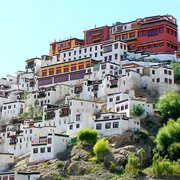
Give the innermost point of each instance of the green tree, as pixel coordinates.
(36, 103)
(31, 112)
(169, 105)
(133, 164)
(176, 67)
(100, 147)
(88, 136)
(168, 140)
(137, 110)
(142, 152)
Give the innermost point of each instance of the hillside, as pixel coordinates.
(75, 163)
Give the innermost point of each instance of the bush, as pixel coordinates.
(100, 147)
(93, 159)
(168, 141)
(59, 164)
(88, 136)
(163, 166)
(133, 164)
(112, 166)
(137, 110)
(48, 163)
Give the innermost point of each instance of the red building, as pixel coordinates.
(97, 35)
(155, 34)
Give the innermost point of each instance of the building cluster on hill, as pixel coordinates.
(89, 83)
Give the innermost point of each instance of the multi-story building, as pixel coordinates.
(64, 72)
(95, 35)
(154, 33)
(56, 47)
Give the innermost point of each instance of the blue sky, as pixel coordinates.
(27, 27)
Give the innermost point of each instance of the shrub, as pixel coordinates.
(59, 164)
(100, 147)
(112, 166)
(93, 159)
(133, 164)
(137, 110)
(88, 136)
(48, 163)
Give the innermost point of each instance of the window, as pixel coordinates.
(165, 80)
(98, 126)
(144, 33)
(157, 80)
(126, 106)
(95, 54)
(161, 30)
(49, 140)
(165, 71)
(107, 125)
(71, 126)
(117, 37)
(35, 150)
(115, 124)
(117, 98)
(117, 109)
(153, 32)
(69, 53)
(156, 45)
(169, 72)
(64, 54)
(77, 126)
(116, 56)
(48, 149)
(110, 99)
(161, 44)
(139, 34)
(85, 50)
(110, 57)
(153, 71)
(122, 108)
(167, 30)
(107, 48)
(78, 117)
(90, 49)
(30, 131)
(105, 58)
(116, 46)
(74, 52)
(43, 150)
(95, 48)
(79, 51)
(124, 36)
(131, 35)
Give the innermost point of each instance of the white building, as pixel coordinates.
(114, 124)
(47, 147)
(112, 51)
(125, 106)
(12, 109)
(6, 159)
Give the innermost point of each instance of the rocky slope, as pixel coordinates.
(75, 163)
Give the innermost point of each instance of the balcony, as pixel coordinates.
(38, 119)
(96, 34)
(95, 88)
(65, 112)
(50, 116)
(78, 90)
(41, 95)
(12, 143)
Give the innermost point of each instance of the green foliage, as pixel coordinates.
(176, 67)
(93, 169)
(142, 152)
(94, 159)
(36, 103)
(59, 164)
(23, 116)
(112, 166)
(168, 140)
(169, 105)
(88, 136)
(133, 164)
(31, 112)
(58, 178)
(163, 166)
(101, 147)
(48, 163)
(137, 110)
(40, 113)
(25, 95)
